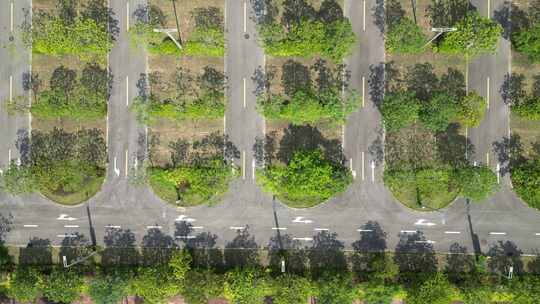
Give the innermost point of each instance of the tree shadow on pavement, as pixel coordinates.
(22, 143)
(509, 152)
(459, 264)
(284, 247)
(120, 248)
(503, 255)
(330, 11)
(512, 89)
(414, 257)
(202, 247)
(242, 251)
(511, 17)
(377, 82)
(77, 247)
(381, 14)
(368, 250)
(326, 255)
(264, 11)
(157, 248)
(6, 221)
(448, 15)
(38, 252)
(452, 147)
(376, 148)
(296, 138)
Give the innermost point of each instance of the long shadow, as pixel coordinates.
(202, 247)
(74, 248)
(330, 11)
(377, 82)
(326, 256)
(474, 237)
(414, 257)
(369, 250)
(511, 17)
(504, 255)
(38, 252)
(242, 251)
(291, 251)
(157, 248)
(297, 138)
(120, 248)
(452, 147)
(512, 89)
(459, 264)
(376, 148)
(509, 152)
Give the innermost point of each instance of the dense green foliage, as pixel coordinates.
(471, 110)
(207, 38)
(196, 174)
(201, 286)
(80, 99)
(336, 289)
(474, 35)
(60, 164)
(399, 109)
(436, 290)
(307, 99)
(526, 181)
(25, 284)
(405, 37)
(438, 112)
(74, 29)
(525, 32)
(108, 288)
(245, 286)
(305, 32)
(62, 286)
(291, 289)
(185, 96)
(523, 102)
(307, 179)
(528, 42)
(476, 182)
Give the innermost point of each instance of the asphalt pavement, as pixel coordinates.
(120, 206)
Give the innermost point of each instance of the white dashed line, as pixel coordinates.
(244, 93)
(185, 236)
(197, 227)
(112, 226)
(537, 234)
(10, 88)
(244, 164)
(11, 17)
(321, 229)
(497, 233)
(127, 91)
(237, 228)
(452, 232)
(30, 226)
(307, 239)
(245, 16)
(279, 228)
(71, 226)
(408, 231)
(66, 235)
(153, 227)
(127, 16)
(425, 242)
(364, 230)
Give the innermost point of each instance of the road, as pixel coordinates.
(15, 59)
(121, 206)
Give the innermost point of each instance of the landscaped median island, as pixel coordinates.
(183, 103)
(65, 158)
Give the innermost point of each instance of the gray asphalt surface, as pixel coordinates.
(15, 60)
(127, 207)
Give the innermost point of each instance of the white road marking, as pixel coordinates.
(475, 163)
(253, 169)
(264, 128)
(342, 136)
(537, 234)
(127, 91)
(363, 89)
(66, 235)
(10, 88)
(498, 170)
(11, 17)
(307, 239)
(279, 228)
(321, 229)
(489, 8)
(237, 228)
(425, 242)
(372, 171)
(364, 230)
(352, 169)
(245, 16)
(408, 231)
(497, 233)
(244, 164)
(127, 16)
(126, 163)
(112, 226)
(71, 226)
(224, 124)
(423, 222)
(30, 226)
(184, 218)
(9, 156)
(487, 159)
(364, 13)
(185, 236)
(452, 232)
(153, 227)
(300, 219)
(487, 92)
(244, 93)
(197, 227)
(116, 170)
(363, 166)
(65, 217)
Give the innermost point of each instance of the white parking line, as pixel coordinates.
(253, 169)
(372, 171)
(452, 232)
(126, 163)
(279, 228)
(237, 228)
(487, 159)
(537, 234)
(197, 227)
(321, 229)
(112, 226)
(30, 226)
(363, 90)
(153, 227)
(364, 230)
(71, 226)
(497, 233)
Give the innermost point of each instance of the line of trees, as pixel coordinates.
(525, 29)
(523, 101)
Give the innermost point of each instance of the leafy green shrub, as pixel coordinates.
(437, 114)
(399, 110)
(529, 108)
(201, 286)
(436, 290)
(527, 41)
(336, 289)
(155, 284)
(405, 37)
(18, 180)
(308, 179)
(25, 283)
(108, 288)
(63, 286)
(291, 289)
(526, 181)
(245, 286)
(476, 183)
(471, 110)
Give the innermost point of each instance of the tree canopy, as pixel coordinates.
(405, 37)
(526, 181)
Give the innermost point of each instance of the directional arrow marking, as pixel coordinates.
(423, 222)
(300, 219)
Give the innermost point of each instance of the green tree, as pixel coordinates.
(24, 285)
(291, 289)
(436, 290)
(247, 286)
(526, 181)
(180, 264)
(309, 178)
(528, 108)
(201, 286)
(18, 179)
(527, 41)
(155, 284)
(471, 110)
(379, 293)
(108, 288)
(474, 35)
(405, 37)
(336, 289)
(63, 286)
(438, 113)
(399, 109)
(476, 182)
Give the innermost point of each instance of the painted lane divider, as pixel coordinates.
(66, 235)
(307, 239)
(408, 231)
(497, 233)
(185, 236)
(112, 226)
(321, 229)
(425, 242)
(364, 230)
(237, 228)
(71, 226)
(452, 232)
(30, 226)
(184, 218)
(279, 228)
(153, 227)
